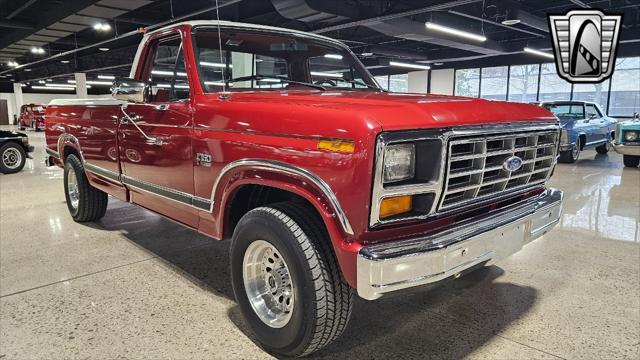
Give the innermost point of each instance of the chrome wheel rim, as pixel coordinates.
(72, 188)
(267, 282)
(11, 158)
(576, 150)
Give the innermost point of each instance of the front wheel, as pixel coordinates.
(12, 158)
(604, 148)
(85, 203)
(571, 155)
(631, 160)
(287, 281)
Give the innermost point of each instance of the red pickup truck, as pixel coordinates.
(32, 116)
(326, 184)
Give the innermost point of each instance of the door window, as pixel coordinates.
(592, 111)
(168, 74)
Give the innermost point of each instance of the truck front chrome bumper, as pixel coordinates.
(633, 150)
(392, 266)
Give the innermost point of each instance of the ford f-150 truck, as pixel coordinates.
(326, 184)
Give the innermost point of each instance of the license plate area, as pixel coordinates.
(497, 243)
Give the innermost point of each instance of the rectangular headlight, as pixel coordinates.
(399, 162)
(631, 135)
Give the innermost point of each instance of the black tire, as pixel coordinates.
(323, 300)
(604, 148)
(571, 156)
(92, 204)
(16, 158)
(630, 160)
(21, 126)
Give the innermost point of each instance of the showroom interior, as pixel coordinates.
(137, 283)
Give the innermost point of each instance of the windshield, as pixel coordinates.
(566, 111)
(268, 60)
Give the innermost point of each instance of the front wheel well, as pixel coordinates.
(583, 140)
(249, 197)
(69, 150)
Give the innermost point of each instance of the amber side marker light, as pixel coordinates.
(342, 146)
(395, 205)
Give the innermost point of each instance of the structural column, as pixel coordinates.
(17, 95)
(81, 84)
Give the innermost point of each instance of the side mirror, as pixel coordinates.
(592, 116)
(130, 90)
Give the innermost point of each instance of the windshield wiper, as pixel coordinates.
(262, 77)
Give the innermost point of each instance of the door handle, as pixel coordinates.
(133, 120)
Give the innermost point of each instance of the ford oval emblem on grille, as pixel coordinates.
(512, 164)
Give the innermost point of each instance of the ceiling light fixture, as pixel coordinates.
(103, 49)
(64, 61)
(13, 64)
(510, 22)
(218, 65)
(106, 77)
(333, 56)
(37, 50)
(52, 88)
(326, 74)
(438, 63)
(93, 82)
(408, 65)
(456, 32)
(366, 54)
(538, 52)
(102, 27)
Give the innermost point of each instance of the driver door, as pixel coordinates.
(155, 139)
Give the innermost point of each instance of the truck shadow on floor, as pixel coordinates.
(448, 321)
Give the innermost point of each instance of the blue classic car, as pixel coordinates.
(627, 141)
(584, 125)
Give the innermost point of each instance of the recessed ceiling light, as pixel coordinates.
(438, 63)
(510, 22)
(456, 32)
(366, 54)
(103, 49)
(27, 70)
(37, 50)
(64, 61)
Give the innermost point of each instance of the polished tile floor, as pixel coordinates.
(136, 285)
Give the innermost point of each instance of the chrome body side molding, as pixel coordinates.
(167, 193)
(284, 168)
(53, 153)
(386, 267)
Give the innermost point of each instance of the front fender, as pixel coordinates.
(297, 181)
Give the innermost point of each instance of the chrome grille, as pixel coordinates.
(475, 165)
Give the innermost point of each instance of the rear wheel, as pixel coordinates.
(12, 158)
(631, 161)
(85, 203)
(287, 281)
(572, 155)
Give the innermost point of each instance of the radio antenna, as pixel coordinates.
(224, 94)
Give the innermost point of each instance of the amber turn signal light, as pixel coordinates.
(337, 145)
(395, 205)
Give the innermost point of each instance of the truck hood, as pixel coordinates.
(401, 111)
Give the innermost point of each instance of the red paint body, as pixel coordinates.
(32, 116)
(281, 125)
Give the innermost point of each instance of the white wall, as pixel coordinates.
(28, 98)
(442, 81)
(418, 81)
